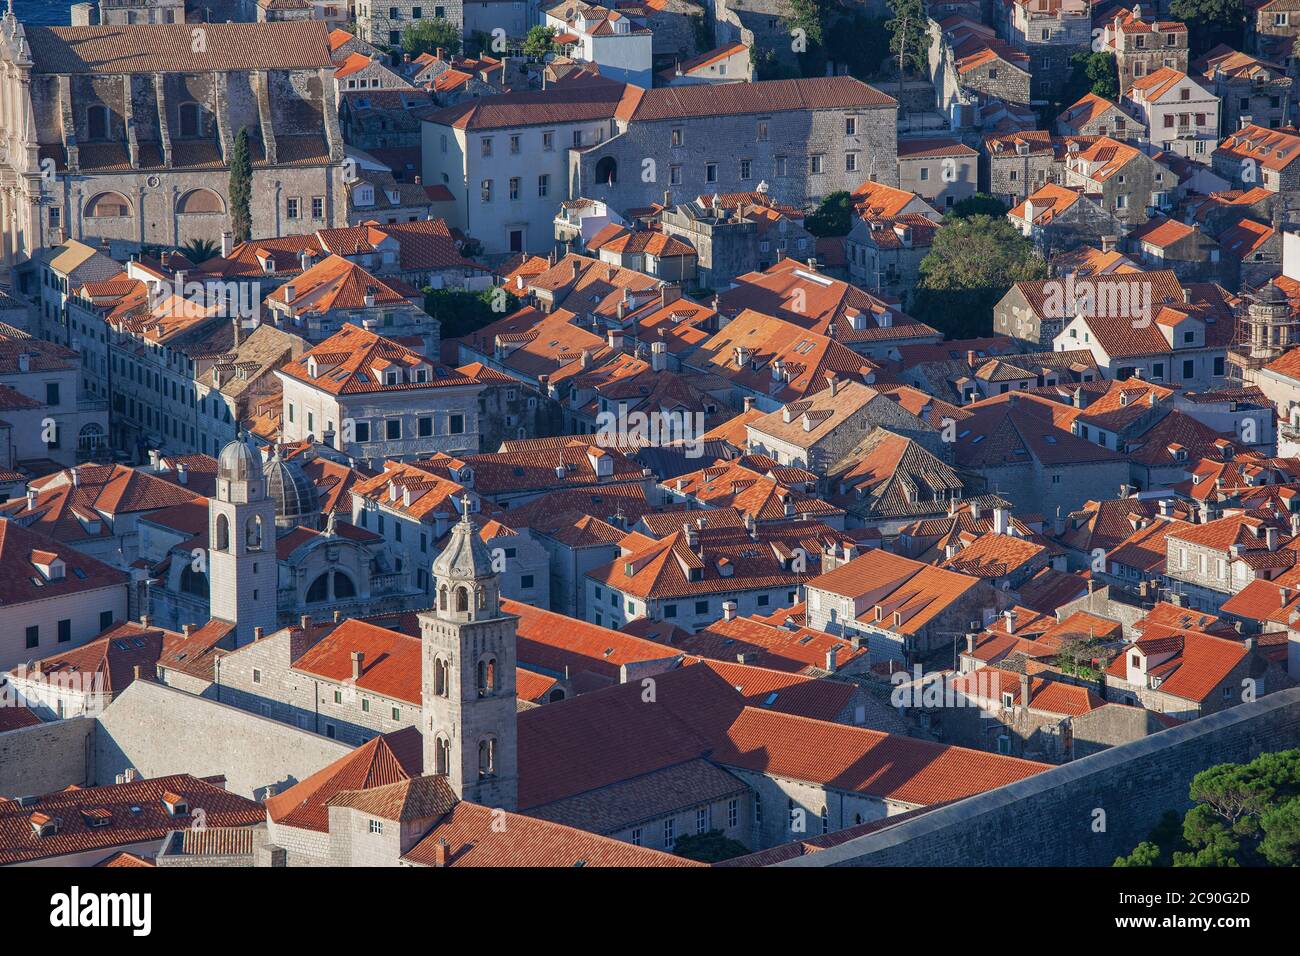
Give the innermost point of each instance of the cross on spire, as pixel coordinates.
(464, 508)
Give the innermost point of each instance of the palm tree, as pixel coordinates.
(199, 250)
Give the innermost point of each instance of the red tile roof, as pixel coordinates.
(135, 812)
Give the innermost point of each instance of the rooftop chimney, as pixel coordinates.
(728, 610)
(830, 658)
(358, 658)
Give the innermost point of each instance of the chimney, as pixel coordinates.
(1011, 621)
(1270, 538)
(227, 244)
(658, 356)
(1024, 690)
(304, 622)
(338, 615)
(830, 383)
(304, 260)
(358, 657)
(971, 357)
(830, 658)
(257, 634)
(970, 643)
(144, 620)
(440, 853)
(135, 671)
(728, 610)
(748, 404)
(182, 473)
(31, 500)
(1001, 520)
(1166, 507)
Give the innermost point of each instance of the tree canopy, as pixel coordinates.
(1243, 815)
(711, 847)
(834, 217)
(539, 41)
(972, 263)
(241, 188)
(462, 312)
(909, 34)
(429, 35)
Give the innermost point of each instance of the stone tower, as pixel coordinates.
(242, 572)
(468, 664)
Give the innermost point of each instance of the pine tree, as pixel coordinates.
(241, 189)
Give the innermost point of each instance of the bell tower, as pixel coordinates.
(242, 572)
(468, 674)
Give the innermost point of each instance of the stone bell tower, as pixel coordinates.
(468, 667)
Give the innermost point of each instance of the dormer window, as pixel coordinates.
(175, 804)
(390, 378)
(364, 195)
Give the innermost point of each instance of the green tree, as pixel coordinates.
(1243, 815)
(430, 34)
(859, 43)
(241, 188)
(834, 217)
(909, 39)
(539, 41)
(1211, 21)
(462, 312)
(711, 847)
(1101, 72)
(199, 250)
(972, 263)
(981, 204)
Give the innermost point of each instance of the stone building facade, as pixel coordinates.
(129, 131)
(805, 138)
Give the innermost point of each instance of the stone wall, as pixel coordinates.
(46, 757)
(159, 731)
(1052, 819)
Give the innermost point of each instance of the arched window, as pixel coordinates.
(91, 437)
(442, 756)
(253, 533)
(343, 586)
(442, 598)
(98, 122)
(487, 757)
(200, 201)
(481, 601)
(320, 589)
(109, 205)
(462, 599)
(826, 821)
(607, 171)
(194, 582)
(483, 679)
(440, 678)
(223, 533)
(191, 119)
(555, 695)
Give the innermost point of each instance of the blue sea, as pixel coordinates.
(46, 13)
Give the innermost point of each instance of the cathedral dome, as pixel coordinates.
(294, 494)
(238, 462)
(1270, 295)
(466, 556)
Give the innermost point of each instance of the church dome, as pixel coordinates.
(294, 494)
(1270, 294)
(238, 462)
(466, 556)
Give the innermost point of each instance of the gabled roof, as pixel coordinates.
(387, 759)
(347, 360)
(134, 812)
(170, 48)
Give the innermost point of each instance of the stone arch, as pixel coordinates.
(343, 586)
(487, 757)
(194, 582)
(200, 201)
(442, 756)
(607, 171)
(108, 205)
(441, 677)
(253, 533)
(555, 696)
(319, 589)
(222, 542)
(462, 599)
